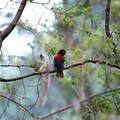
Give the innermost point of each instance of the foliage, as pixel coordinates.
(102, 104)
(80, 11)
(81, 31)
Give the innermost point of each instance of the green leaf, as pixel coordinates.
(97, 18)
(109, 40)
(88, 41)
(86, 11)
(52, 52)
(68, 21)
(74, 12)
(34, 65)
(33, 115)
(30, 0)
(118, 50)
(78, 12)
(114, 27)
(69, 82)
(100, 27)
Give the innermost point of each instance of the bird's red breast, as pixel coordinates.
(59, 57)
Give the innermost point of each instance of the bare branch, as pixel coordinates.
(94, 62)
(18, 104)
(41, 3)
(68, 67)
(13, 23)
(19, 66)
(64, 11)
(107, 19)
(76, 104)
(107, 23)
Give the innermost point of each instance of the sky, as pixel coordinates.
(35, 14)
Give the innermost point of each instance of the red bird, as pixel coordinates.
(59, 63)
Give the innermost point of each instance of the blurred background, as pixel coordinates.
(78, 26)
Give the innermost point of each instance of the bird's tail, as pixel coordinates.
(60, 74)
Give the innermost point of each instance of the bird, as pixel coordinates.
(59, 63)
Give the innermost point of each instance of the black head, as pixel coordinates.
(62, 52)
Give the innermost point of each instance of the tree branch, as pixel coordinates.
(107, 19)
(41, 3)
(13, 23)
(64, 11)
(18, 104)
(12, 65)
(53, 71)
(76, 104)
(107, 22)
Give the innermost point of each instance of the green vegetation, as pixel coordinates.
(78, 27)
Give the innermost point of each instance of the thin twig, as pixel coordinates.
(18, 104)
(64, 11)
(24, 92)
(10, 65)
(40, 2)
(6, 107)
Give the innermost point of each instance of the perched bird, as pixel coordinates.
(59, 63)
